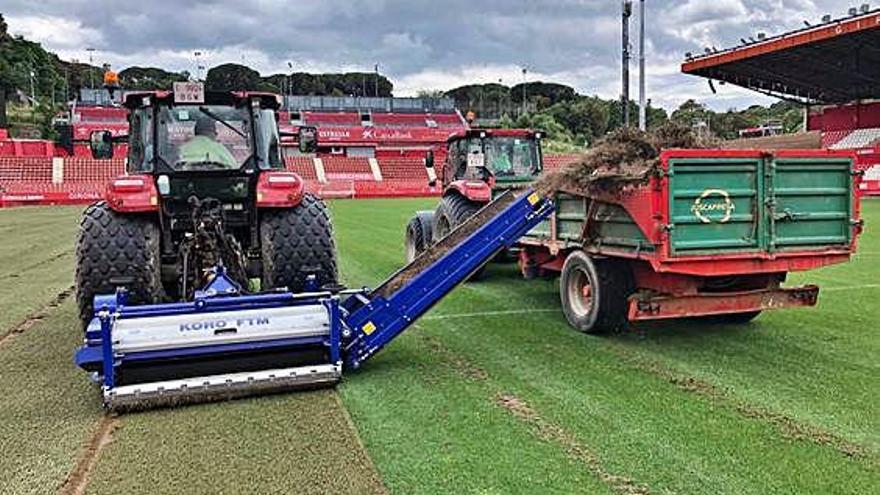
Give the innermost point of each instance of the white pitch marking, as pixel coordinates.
(490, 313)
(850, 287)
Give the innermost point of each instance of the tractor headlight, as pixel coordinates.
(163, 183)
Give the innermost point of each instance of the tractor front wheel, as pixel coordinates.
(116, 250)
(297, 242)
(594, 293)
(452, 211)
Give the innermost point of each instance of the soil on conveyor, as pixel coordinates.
(625, 157)
(437, 251)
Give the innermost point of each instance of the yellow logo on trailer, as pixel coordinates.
(702, 207)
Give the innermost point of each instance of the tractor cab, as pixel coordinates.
(501, 158)
(205, 168)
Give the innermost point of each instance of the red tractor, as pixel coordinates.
(205, 185)
(480, 164)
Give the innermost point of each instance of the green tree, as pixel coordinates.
(430, 93)
(544, 93)
(150, 78)
(233, 77)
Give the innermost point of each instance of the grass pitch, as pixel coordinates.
(490, 393)
(783, 405)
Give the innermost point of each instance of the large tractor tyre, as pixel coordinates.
(595, 292)
(452, 211)
(116, 250)
(419, 236)
(297, 242)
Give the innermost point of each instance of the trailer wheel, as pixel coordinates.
(452, 211)
(114, 250)
(594, 293)
(295, 243)
(418, 234)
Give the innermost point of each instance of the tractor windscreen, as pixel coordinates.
(205, 137)
(512, 157)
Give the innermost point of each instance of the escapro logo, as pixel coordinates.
(712, 201)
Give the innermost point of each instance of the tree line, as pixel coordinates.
(573, 121)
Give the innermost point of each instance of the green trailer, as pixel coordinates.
(712, 233)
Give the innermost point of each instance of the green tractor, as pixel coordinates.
(205, 186)
(480, 164)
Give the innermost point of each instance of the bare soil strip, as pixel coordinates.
(550, 432)
(37, 316)
(78, 479)
(22, 270)
(543, 429)
(790, 427)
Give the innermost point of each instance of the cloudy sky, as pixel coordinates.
(419, 44)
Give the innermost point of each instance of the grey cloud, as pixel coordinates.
(576, 39)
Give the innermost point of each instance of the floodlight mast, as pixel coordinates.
(624, 96)
(643, 109)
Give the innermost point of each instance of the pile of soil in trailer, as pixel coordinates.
(623, 158)
(443, 246)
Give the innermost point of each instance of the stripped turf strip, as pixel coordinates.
(296, 443)
(50, 415)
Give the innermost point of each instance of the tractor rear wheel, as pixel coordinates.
(298, 242)
(418, 234)
(116, 250)
(594, 293)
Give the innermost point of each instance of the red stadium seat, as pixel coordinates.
(304, 166)
(347, 168)
(412, 169)
(331, 119)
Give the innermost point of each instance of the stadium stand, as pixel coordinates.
(403, 169)
(302, 165)
(331, 119)
(344, 168)
(823, 67)
(858, 138)
(394, 137)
